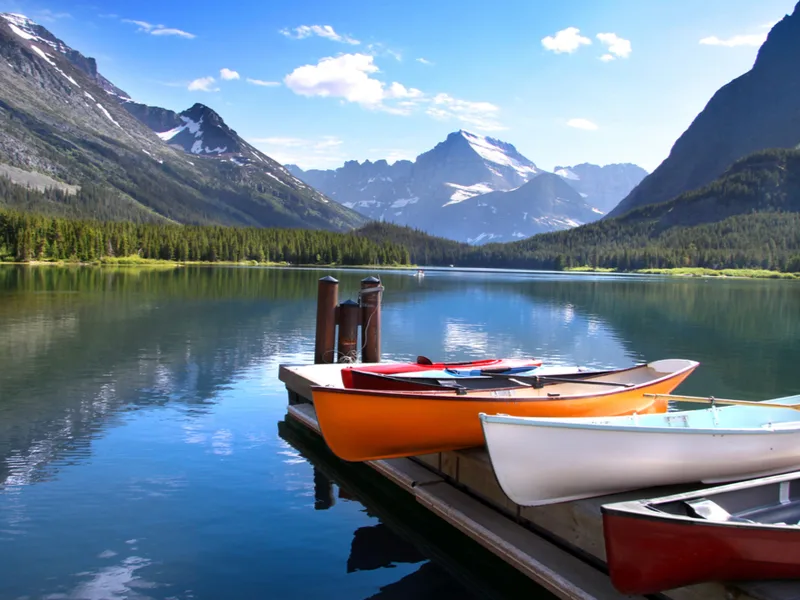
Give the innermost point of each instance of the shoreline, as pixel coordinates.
(689, 272)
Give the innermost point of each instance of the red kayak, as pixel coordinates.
(475, 367)
(742, 531)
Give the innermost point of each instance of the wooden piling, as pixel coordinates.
(370, 298)
(327, 298)
(324, 498)
(347, 341)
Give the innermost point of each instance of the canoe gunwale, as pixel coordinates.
(643, 508)
(649, 429)
(480, 395)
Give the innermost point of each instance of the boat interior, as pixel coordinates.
(776, 503)
(609, 382)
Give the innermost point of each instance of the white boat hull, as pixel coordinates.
(538, 463)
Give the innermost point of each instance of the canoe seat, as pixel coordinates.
(711, 511)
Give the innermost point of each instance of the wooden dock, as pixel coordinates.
(558, 546)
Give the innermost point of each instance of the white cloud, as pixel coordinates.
(379, 49)
(203, 84)
(481, 115)
(228, 74)
(321, 152)
(567, 40)
(263, 83)
(346, 76)
(607, 57)
(172, 31)
(48, 16)
(755, 39)
(143, 25)
(425, 61)
(350, 77)
(617, 47)
(398, 90)
(582, 124)
(323, 31)
(146, 27)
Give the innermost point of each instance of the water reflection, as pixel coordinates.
(407, 534)
(140, 406)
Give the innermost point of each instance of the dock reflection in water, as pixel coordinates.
(407, 533)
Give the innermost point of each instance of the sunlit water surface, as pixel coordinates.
(143, 452)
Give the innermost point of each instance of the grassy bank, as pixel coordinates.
(138, 261)
(697, 272)
(702, 272)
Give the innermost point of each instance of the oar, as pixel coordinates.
(712, 400)
(534, 379)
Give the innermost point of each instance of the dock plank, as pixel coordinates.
(527, 552)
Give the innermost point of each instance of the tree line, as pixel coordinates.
(25, 237)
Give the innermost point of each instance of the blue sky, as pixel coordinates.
(320, 82)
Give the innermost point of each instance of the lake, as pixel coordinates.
(144, 451)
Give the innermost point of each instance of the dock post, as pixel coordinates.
(324, 498)
(370, 299)
(327, 298)
(347, 341)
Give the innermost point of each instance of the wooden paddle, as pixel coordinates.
(712, 400)
(536, 379)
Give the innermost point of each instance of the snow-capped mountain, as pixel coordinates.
(62, 120)
(462, 168)
(545, 203)
(26, 29)
(603, 187)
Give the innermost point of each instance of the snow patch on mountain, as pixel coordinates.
(567, 174)
(70, 79)
(483, 237)
(465, 192)
(43, 54)
(401, 202)
(23, 34)
(192, 126)
(492, 150)
(108, 115)
(27, 30)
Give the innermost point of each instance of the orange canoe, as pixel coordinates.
(368, 424)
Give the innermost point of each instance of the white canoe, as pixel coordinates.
(546, 460)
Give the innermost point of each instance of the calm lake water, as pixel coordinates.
(143, 448)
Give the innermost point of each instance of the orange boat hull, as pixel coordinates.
(361, 425)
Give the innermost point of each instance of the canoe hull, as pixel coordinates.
(649, 555)
(574, 462)
(361, 425)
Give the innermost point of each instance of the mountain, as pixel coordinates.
(61, 121)
(760, 109)
(462, 166)
(749, 217)
(471, 169)
(545, 203)
(603, 187)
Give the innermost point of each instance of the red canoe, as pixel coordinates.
(423, 364)
(744, 531)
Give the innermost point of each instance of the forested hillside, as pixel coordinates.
(25, 237)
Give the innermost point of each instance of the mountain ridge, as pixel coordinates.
(424, 193)
(60, 117)
(754, 111)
